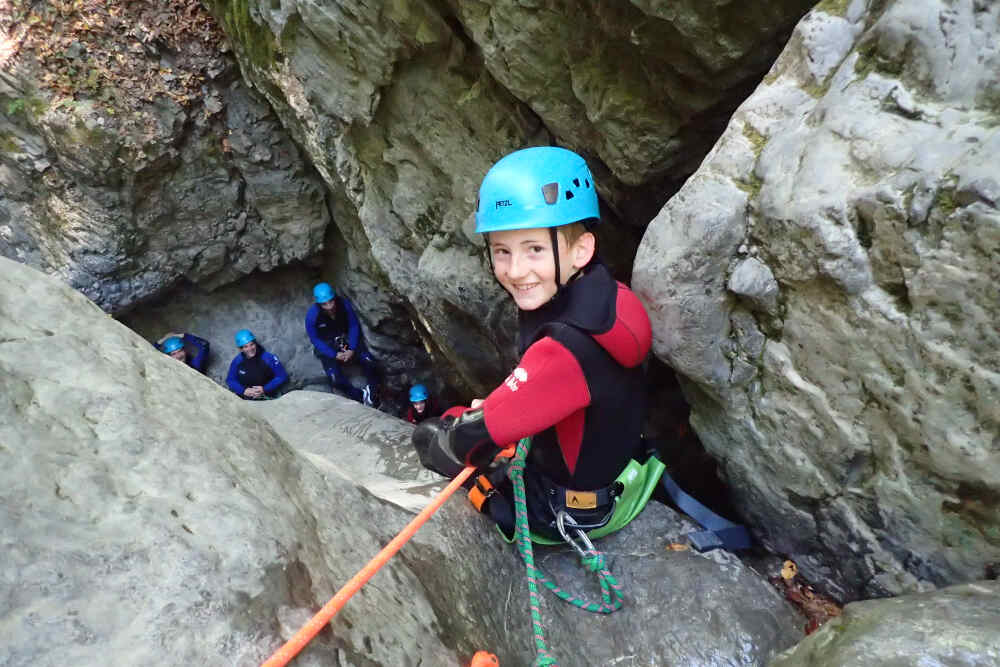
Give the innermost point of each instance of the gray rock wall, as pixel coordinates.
(826, 284)
(123, 212)
(402, 109)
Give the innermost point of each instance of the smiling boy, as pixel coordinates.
(579, 387)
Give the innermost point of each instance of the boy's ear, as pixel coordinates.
(583, 249)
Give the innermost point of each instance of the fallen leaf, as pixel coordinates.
(789, 570)
(677, 546)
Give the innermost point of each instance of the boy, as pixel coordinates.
(186, 348)
(579, 387)
(335, 333)
(254, 373)
(422, 406)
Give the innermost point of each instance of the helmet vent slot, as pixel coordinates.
(569, 194)
(586, 182)
(551, 192)
(576, 182)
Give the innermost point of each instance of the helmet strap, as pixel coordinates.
(489, 256)
(555, 254)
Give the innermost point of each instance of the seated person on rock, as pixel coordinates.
(255, 373)
(422, 406)
(579, 389)
(336, 337)
(186, 348)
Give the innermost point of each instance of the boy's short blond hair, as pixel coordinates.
(572, 232)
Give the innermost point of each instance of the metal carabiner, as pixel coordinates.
(588, 547)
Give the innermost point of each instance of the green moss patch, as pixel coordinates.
(756, 139)
(833, 7)
(255, 41)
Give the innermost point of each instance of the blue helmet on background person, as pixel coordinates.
(322, 292)
(244, 336)
(543, 186)
(172, 344)
(418, 392)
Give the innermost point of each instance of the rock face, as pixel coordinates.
(826, 284)
(403, 107)
(148, 514)
(126, 224)
(124, 208)
(954, 626)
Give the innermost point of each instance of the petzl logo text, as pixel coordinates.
(502, 202)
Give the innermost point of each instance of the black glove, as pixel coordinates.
(430, 439)
(447, 445)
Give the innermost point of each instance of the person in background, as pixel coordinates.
(422, 406)
(186, 348)
(336, 336)
(254, 373)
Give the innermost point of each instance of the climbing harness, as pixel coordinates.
(631, 491)
(592, 560)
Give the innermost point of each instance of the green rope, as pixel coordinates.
(592, 560)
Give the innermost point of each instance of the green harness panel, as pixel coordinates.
(639, 480)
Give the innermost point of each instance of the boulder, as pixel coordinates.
(955, 626)
(826, 286)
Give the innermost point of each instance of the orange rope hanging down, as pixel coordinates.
(292, 647)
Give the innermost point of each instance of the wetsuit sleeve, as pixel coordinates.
(321, 346)
(198, 363)
(231, 380)
(547, 386)
(280, 375)
(353, 329)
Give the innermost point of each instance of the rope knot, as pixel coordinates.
(594, 561)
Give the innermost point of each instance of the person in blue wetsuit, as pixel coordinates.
(254, 373)
(336, 336)
(186, 348)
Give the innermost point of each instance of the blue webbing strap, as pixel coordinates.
(718, 532)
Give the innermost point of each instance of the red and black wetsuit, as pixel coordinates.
(579, 386)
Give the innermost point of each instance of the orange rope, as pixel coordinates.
(292, 647)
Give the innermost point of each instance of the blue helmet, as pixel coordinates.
(323, 292)
(172, 344)
(244, 336)
(544, 186)
(418, 392)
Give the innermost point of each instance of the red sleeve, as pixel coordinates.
(630, 338)
(547, 386)
(454, 411)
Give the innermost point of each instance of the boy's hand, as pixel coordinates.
(430, 439)
(476, 402)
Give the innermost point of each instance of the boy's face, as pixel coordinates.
(524, 265)
(419, 406)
